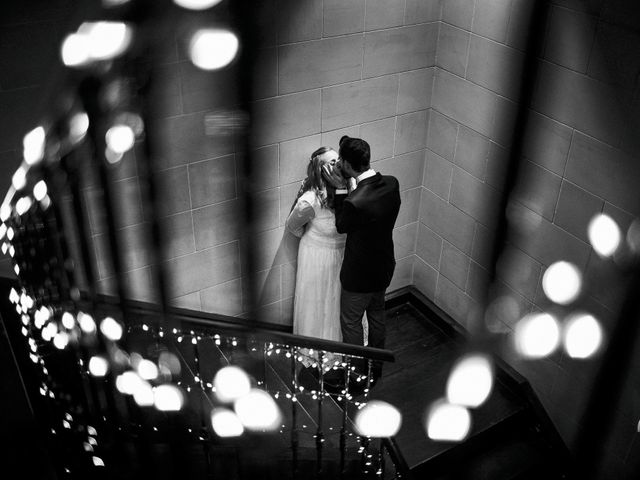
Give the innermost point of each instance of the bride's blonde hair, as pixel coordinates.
(314, 180)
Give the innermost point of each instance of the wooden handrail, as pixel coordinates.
(260, 331)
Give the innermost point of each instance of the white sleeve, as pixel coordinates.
(301, 214)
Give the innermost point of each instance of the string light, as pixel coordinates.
(78, 126)
(40, 190)
(447, 422)
(147, 370)
(471, 381)
(120, 138)
(61, 340)
(212, 49)
(33, 146)
(68, 321)
(111, 329)
(562, 282)
(19, 179)
(537, 335)
(258, 411)
(5, 212)
(604, 235)
(231, 383)
(96, 41)
(23, 205)
(226, 423)
(196, 4)
(144, 395)
(168, 398)
(378, 419)
(582, 336)
(98, 366)
(128, 382)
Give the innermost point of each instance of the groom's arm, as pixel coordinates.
(346, 214)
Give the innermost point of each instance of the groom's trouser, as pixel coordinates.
(352, 307)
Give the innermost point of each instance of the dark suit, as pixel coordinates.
(367, 215)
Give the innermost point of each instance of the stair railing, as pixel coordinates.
(222, 343)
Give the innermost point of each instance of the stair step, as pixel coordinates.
(510, 449)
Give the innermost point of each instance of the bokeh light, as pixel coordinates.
(196, 4)
(106, 40)
(98, 366)
(258, 411)
(604, 235)
(78, 126)
(169, 364)
(144, 395)
(211, 49)
(378, 419)
(95, 41)
(74, 51)
(41, 316)
(19, 179)
(471, 381)
(582, 335)
(226, 423)
(61, 340)
(39, 190)
(5, 212)
(537, 335)
(147, 369)
(562, 282)
(114, 3)
(120, 138)
(49, 331)
(168, 398)
(33, 146)
(23, 205)
(128, 382)
(231, 383)
(86, 322)
(68, 321)
(111, 329)
(447, 422)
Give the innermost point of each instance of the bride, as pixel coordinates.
(316, 304)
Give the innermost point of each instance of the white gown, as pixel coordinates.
(316, 304)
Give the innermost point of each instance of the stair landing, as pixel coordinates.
(424, 357)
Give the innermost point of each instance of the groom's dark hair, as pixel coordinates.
(355, 151)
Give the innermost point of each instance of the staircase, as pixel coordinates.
(511, 437)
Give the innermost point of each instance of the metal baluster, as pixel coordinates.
(380, 472)
(294, 414)
(345, 413)
(204, 432)
(369, 378)
(319, 432)
(69, 164)
(364, 441)
(54, 228)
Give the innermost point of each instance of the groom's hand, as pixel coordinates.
(333, 177)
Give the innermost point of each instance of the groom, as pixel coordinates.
(367, 213)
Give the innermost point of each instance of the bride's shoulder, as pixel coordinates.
(310, 197)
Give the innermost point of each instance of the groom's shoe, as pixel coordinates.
(333, 380)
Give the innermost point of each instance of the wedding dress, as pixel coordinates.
(316, 303)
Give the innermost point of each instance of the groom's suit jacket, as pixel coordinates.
(367, 215)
